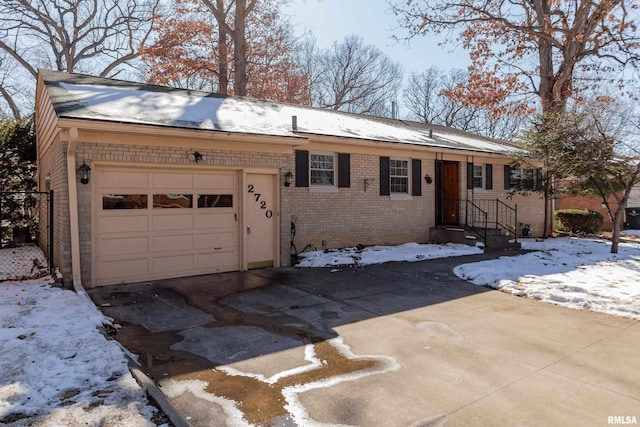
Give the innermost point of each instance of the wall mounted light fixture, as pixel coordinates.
(287, 178)
(428, 179)
(83, 170)
(197, 157)
(47, 182)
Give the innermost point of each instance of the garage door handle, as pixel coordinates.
(248, 230)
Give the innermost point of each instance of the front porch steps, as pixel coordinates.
(495, 242)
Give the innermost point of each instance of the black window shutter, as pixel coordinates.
(488, 184)
(507, 177)
(302, 168)
(344, 170)
(416, 177)
(384, 176)
(469, 175)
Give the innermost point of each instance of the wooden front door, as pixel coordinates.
(447, 193)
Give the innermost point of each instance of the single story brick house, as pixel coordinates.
(153, 182)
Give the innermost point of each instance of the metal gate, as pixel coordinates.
(26, 219)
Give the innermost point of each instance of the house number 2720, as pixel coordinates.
(263, 205)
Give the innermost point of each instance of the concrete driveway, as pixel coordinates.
(400, 344)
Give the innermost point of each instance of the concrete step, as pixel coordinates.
(495, 241)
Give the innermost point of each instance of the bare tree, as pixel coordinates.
(232, 19)
(532, 47)
(354, 77)
(191, 50)
(101, 37)
(427, 98)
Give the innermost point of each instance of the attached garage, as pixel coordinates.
(159, 223)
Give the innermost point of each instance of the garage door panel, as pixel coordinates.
(181, 242)
(217, 240)
(108, 270)
(123, 224)
(172, 222)
(216, 220)
(219, 261)
(172, 263)
(120, 179)
(172, 180)
(123, 245)
(217, 181)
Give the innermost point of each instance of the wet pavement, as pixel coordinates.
(398, 344)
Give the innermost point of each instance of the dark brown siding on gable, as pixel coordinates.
(302, 168)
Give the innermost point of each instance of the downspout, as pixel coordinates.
(73, 212)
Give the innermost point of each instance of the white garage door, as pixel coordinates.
(153, 224)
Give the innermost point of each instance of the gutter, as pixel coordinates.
(73, 213)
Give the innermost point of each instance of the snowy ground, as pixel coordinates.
(575, 273)
(57, 369)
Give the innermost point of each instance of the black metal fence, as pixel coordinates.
(26, 223)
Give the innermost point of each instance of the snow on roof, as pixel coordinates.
(85, 97)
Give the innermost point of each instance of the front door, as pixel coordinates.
(447, 193)
(260, 220)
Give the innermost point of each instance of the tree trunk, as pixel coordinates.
(223, 55)
(617, 229)
(240, 50)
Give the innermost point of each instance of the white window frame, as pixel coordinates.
(323, 188)
(403, 194)
(478, 167)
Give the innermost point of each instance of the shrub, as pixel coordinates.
(580, 221)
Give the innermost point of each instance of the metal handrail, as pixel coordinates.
(499, 215)
(477, 211)
(509, 210)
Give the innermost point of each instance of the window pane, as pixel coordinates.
(321, 161)
(399, 185)
(477, 176)
(321, 168)
(172, 201)
(399, 176)
(124, 201)
(321, 177)
(399, 167)
(215, 200)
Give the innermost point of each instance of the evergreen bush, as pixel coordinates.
(580, 221)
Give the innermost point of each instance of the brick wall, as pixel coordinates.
(344, 218)
(354, 216)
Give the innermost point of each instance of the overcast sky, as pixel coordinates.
(332, 20)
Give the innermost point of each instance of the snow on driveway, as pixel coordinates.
(575, 273)
(408, 252)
